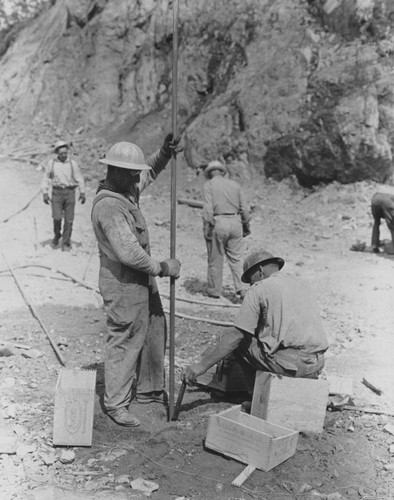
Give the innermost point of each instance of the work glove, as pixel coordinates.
(208, 231)
(245, 229)
(190, 373)
(46, 199)
(82, 198)
(170, 267)
(170, 146)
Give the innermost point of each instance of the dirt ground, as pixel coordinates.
(311, 230)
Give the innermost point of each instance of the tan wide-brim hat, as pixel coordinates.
(60, 144)
(215, 165)
(261, 257)
(125, 155)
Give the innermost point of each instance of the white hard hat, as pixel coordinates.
(215, 165)
(125, 155)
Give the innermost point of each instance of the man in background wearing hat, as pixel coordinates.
(278, 328)
(382, 206)
(63, 175)
(226, 220)
(135, 318)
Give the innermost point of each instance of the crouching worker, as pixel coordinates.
(135, 319)
(278, 328)
(382, 207)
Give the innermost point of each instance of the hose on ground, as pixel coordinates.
(95, 289)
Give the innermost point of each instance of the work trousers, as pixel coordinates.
(136, 333)
(289, 362)
(226, 240)
(63, 202)
(375, 241)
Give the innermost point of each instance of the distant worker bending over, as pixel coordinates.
(382, 208)
(135, 319)
(278, 328)
(226, 221)
(63, 175)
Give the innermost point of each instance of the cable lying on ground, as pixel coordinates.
(95, 289)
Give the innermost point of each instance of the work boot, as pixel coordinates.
(68, 227)
(122, 417)
(57, 229)
(246, 407)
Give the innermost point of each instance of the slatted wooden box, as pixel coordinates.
(249, 439)
(295, 403)
(74, 407)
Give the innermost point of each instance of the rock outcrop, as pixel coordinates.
(289, 88)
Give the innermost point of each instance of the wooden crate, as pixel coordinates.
(74, 407)
(295, 403)
(340, 385)
(249, 439)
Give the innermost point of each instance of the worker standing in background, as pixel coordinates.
(226, 221)
(278, 328)
(63, 175)
(382, 207)
(135, 319)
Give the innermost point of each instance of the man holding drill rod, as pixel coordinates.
(135, 318)
(278, 328)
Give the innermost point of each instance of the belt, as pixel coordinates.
(293, 351)
(64, 188)
(215, 215)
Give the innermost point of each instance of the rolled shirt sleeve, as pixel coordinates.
(252, 318)
(249, 314)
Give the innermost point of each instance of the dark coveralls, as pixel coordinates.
(382, 207)
(135, 318)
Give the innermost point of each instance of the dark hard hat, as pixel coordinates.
(261, 257)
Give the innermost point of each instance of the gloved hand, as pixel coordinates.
(170, 267)
(246, 229)
(208, 231)
(170, 146)
(82, 198)
(46, 199)
(190, 373)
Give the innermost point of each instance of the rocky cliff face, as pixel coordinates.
(285, 87)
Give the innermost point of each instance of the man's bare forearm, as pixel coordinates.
(227, 344)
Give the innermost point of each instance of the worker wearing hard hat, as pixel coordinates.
(135, 318)
(226, 220)
(63, 175)
(278, 328)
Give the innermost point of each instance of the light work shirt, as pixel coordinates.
(281, 311)
(223, 196)
(62, 174)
